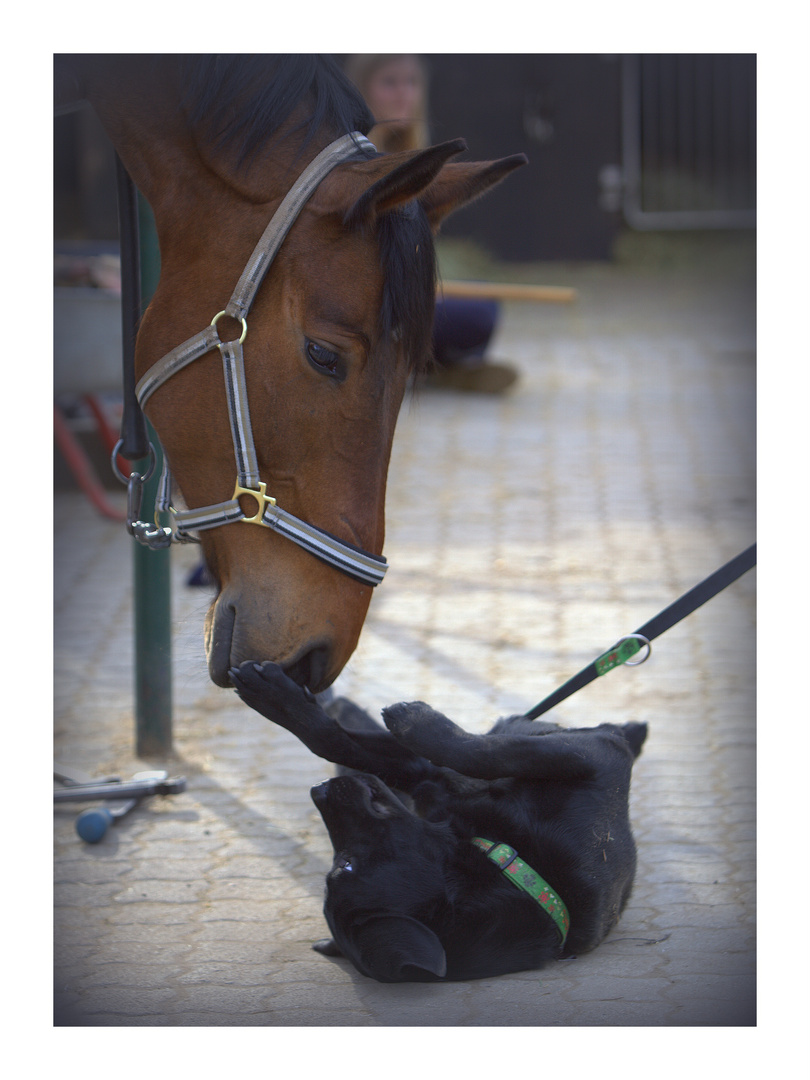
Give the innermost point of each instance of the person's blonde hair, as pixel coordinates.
(360, 68)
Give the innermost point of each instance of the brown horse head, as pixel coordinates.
(341, 319)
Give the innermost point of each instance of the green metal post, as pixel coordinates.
(152, 580)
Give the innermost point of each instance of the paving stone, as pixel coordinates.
(124, 1002)
(525, 534)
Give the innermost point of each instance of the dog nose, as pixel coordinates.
(319, 793)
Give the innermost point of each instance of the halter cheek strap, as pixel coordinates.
(361, 565)
(528, 880)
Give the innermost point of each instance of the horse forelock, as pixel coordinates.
(239, 102)
(408, 258)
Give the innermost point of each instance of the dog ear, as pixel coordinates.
(387, 944)
(327, 947)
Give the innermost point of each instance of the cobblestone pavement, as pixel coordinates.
(525, 534)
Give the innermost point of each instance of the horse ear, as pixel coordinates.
(407, 175)
(461, 182)
(386, 944)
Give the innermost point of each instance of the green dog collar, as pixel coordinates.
(523, 877)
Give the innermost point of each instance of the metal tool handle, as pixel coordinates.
(128, 789)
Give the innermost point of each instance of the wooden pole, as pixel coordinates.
(501, 290)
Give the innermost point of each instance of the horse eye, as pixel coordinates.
(323, 359)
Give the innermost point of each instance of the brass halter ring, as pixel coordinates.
(219, 315)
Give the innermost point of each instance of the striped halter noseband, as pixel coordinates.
(361, 565)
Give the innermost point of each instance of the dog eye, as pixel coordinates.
(344, 863)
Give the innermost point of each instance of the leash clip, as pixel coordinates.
(644, 641)
(621, 653)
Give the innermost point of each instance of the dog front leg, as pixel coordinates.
(265, 688)
(556, 755)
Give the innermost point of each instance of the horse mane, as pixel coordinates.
(408, 257)
(238, 103)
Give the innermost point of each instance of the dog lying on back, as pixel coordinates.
(461, 856)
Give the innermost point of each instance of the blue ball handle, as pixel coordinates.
(92, 825)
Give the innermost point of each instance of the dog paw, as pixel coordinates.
(265, 688)
(422, 729)
(401, 718)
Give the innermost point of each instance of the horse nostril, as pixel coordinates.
(310, 669)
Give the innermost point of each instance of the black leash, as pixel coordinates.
(628, 646)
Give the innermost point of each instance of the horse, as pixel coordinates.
(340, 317)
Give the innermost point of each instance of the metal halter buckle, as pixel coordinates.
(261, 497)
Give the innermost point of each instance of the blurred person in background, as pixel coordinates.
(395, 89)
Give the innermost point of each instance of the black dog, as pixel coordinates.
(426, 884)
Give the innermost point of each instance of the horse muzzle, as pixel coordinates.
(236, 631)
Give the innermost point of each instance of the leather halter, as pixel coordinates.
(361, 565)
